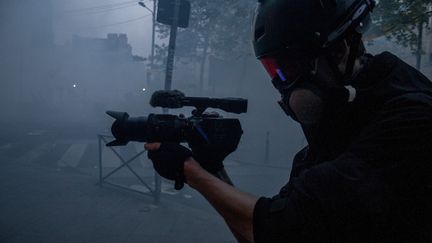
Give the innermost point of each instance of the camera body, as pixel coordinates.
(203, 129)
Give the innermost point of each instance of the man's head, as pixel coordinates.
(310, 49)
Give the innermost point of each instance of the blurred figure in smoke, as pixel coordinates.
(365, 175)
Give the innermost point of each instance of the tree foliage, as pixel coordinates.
(219, 28)
(403, 21)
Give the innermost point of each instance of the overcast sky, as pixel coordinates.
(96, 18)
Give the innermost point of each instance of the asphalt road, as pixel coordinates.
(49, 192)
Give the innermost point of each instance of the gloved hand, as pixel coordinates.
(210, 158)
(209, 152)
(168, 161)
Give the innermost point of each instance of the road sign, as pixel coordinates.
(165, 12)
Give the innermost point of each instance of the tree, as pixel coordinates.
(217, 28)
(404, 21)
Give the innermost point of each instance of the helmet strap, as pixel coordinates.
(335, 69)
(355, 44)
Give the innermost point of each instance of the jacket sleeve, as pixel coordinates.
(320, 202)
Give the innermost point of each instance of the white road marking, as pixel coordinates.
(72, 156)
(168, 188)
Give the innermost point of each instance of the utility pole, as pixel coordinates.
(153, 12)
(420, 44)
(153, 34)
(157, 178)
(171, 46)
(169, 67)
(170, 16)
(171, 52)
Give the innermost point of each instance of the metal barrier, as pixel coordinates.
(154, 192)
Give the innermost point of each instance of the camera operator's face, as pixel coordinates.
(303, 81)
(303, 92)
(307, 101)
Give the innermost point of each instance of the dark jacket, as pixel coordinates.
(366, 175)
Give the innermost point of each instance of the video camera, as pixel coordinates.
(208, 129)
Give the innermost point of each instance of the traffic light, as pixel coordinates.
(165, 12)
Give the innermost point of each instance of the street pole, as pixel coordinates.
(169, 73)
(171, 46)
(153, 12)
(153, 34)
(419, 45)
(157, 178)
(169, 70)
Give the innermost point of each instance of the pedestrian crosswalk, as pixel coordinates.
(66, 156)
(82, 154)
(72, 156)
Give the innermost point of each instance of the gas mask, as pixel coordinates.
(303, 96)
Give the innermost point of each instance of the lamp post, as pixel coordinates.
(158, 181)
(153, 12)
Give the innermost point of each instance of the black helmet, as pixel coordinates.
(307, 26)
(289, 35)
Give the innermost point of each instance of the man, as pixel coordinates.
(366, 174)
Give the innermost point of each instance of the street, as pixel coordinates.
(49, 192)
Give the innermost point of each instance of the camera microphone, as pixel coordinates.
(175, 99)
(167, 99)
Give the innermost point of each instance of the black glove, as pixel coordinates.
(210, 158)
(168, 161)
(211, 141)
(209, 152)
